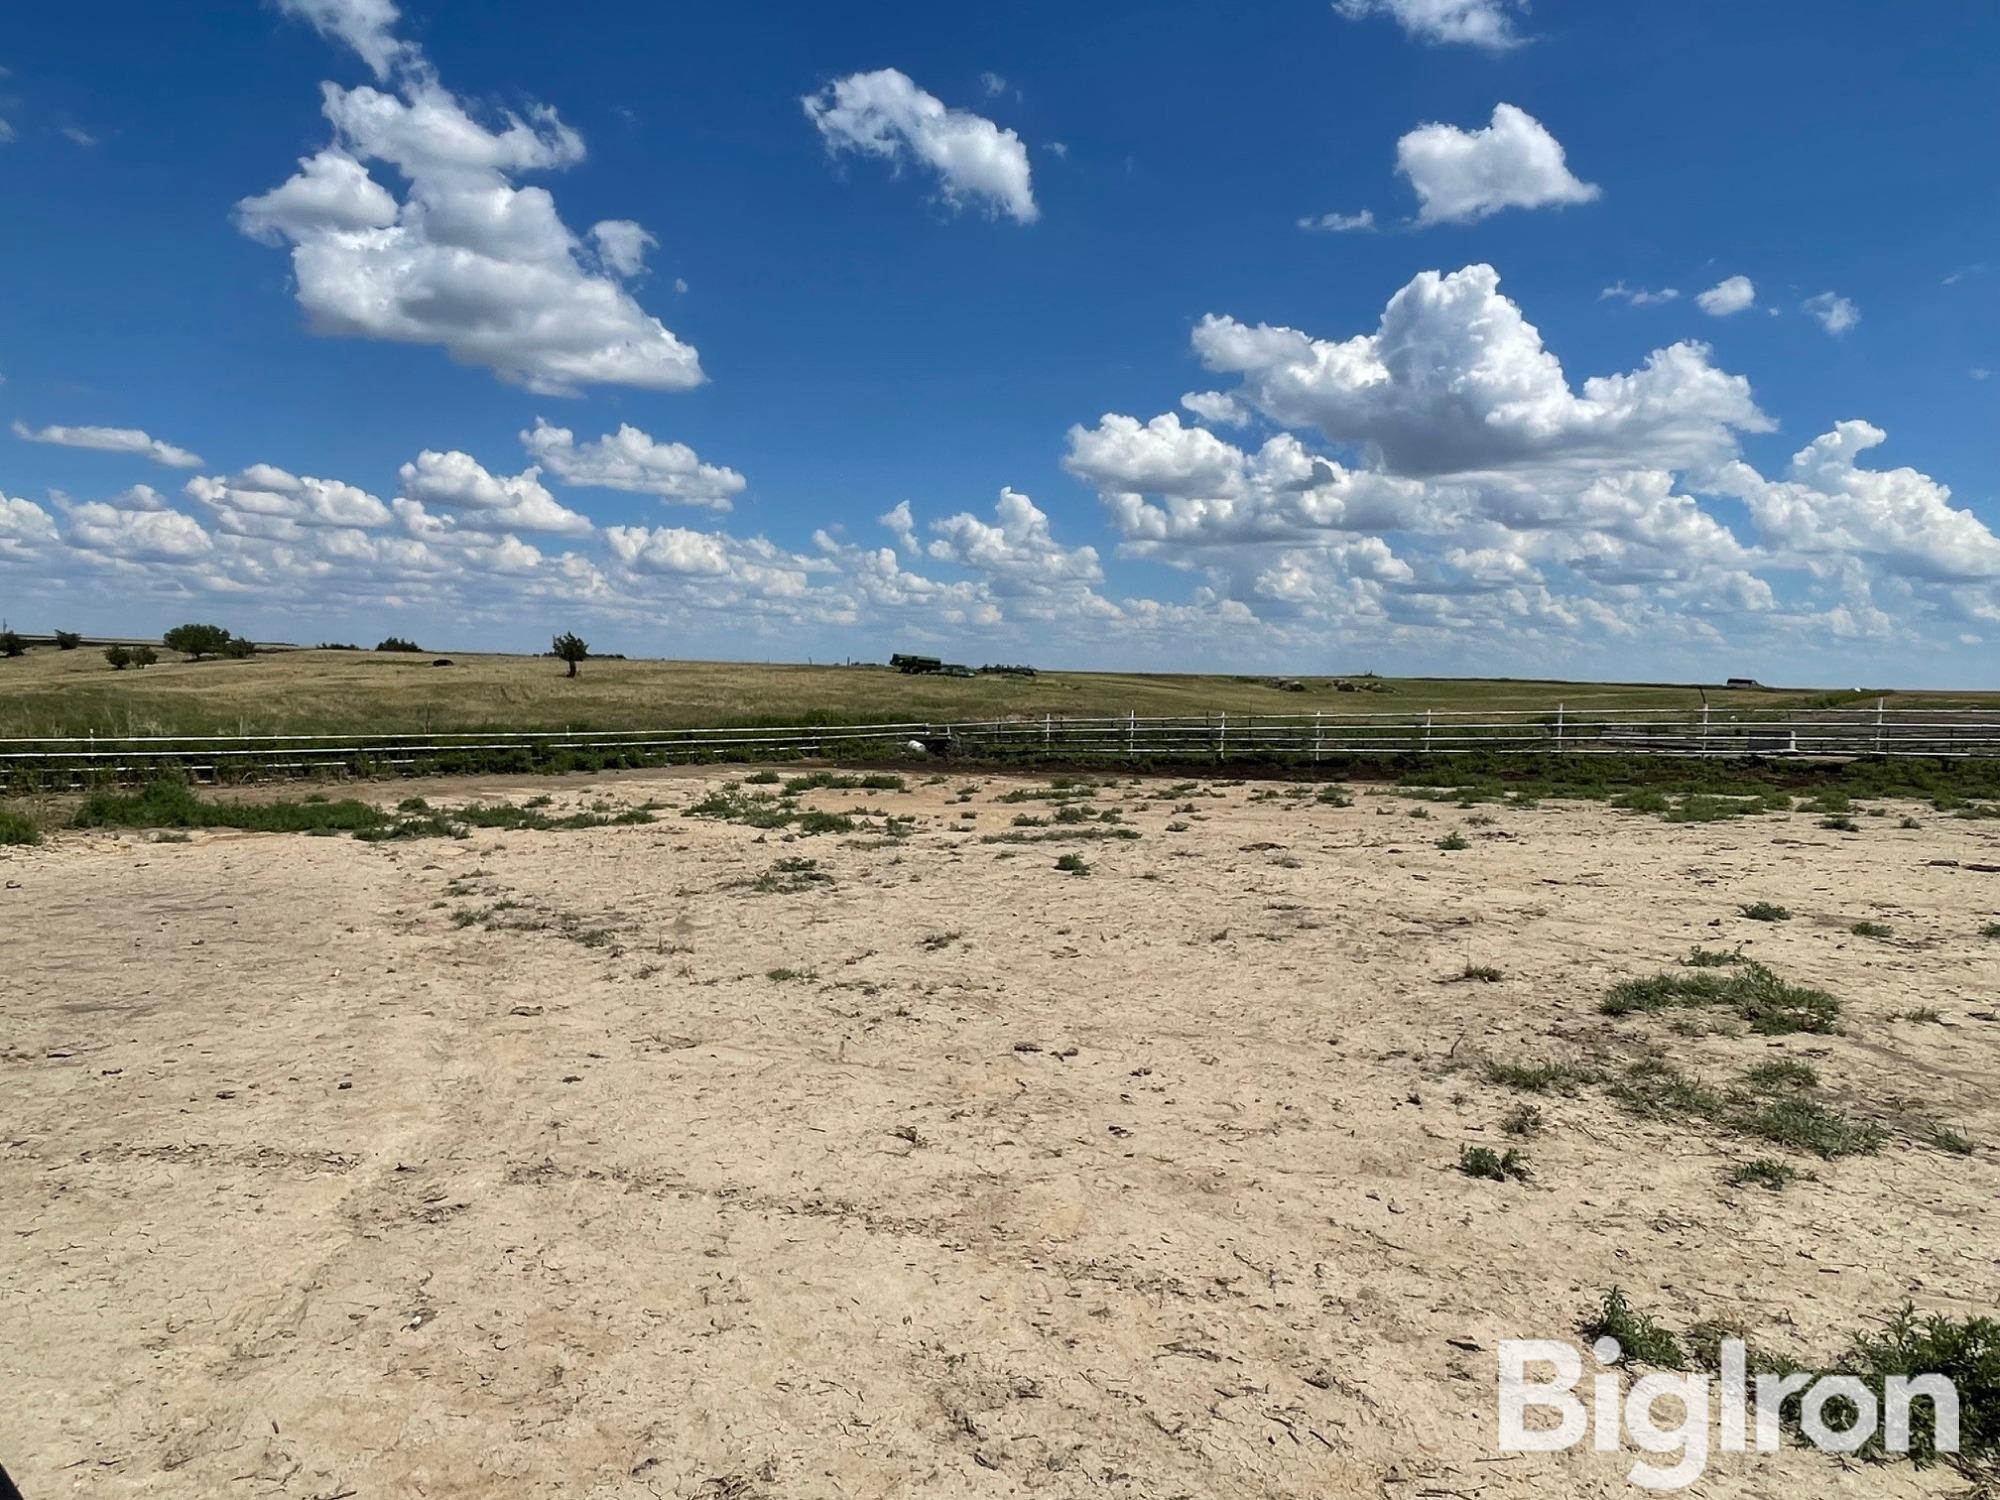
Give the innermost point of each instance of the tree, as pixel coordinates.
(11, 644)
(119, 657)
(68, 640)
(571, 647)
(239, 647)
(196, 640)
(144, 656)
(399, 643)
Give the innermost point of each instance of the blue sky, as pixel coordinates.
(857, 258)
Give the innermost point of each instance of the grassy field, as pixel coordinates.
(49, 692)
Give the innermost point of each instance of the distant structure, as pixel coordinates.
(916, 665)
(1742, 682)
(1006, 671)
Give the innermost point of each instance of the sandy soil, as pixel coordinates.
(329, 1174)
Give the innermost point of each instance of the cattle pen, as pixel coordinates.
(1301, 739)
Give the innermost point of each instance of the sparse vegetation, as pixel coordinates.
(1640, 1337)
(1454, 840)
(1494, 1166)
(1540, 1078)
(1755, 994)
(1871, 930)
(1766, 911)
(17, 828)
(68, 640)
(1767, 1172)
(1524, 1120)
(1072, 864)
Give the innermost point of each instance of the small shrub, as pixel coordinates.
(68, 640)
(1870, 929)
(15, 828)
(1639, 1336)
(11, 644)
(1493, 1166)
(937, 941)
(1072, 864)
(1454, 840)
(1714, 958)
(1840, 823)
(1766, 911)
(1538, 1078)
(1524, 1120)
(119, 657)
(1966, 1352)
(1480, 973)
(1990, 930)
(1923, 1013)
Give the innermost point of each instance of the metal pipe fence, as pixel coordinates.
(1304, 737)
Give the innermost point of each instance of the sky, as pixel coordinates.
(1455, 337)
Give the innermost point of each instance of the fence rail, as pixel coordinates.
(1308, 737)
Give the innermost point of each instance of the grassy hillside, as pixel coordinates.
(74, 692)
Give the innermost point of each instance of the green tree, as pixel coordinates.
(571, 647)
(144, 656)
(11, 644)
(399, 643)
(239, 647)
(119, 657)
(68, 640)
(196, 640)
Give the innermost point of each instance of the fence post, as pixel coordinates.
(1221, 733)
(1559, 727)
(1878, 724)
(1131, 732)
(1704, 726)
(1318, 714)
(1048, 729)
(1427, 730)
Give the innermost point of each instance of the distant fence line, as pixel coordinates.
(1303, 737)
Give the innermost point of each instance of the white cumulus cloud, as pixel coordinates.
(1461, 176)
(885, 114)
(1730, 295)
(485, 501)
(633, 461)
(463, 259)
(1487, 24)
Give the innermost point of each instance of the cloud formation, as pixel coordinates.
(1462, 176)
(885, 114)
(1730, 295)
(111, 440)
(1486, 24)
(635, 462)
(463, 259)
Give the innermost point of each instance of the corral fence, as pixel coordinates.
(1298, 738)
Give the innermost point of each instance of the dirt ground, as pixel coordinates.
(329, 1172)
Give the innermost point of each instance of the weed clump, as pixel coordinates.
(1640, 1337)
(1766, 911)
(1767, 1172)
(1771, 1006)
(1493, 1166)
(18, 829)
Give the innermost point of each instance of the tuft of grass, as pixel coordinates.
(1990, 930)
(166, 803)
(1524, 1120)
(938, 941)
(1788, 1074)
(1840, 823)
(1480, 973)
(1807, 1125)
(1771, 1006)
(1454, 840)
(1766, 911)
(1714, 958)
(17, 828)
(1871, 929)
(1539, 1078)
(1922, 1013)
(1944, 1138)
(1493, 1166)
(785, 976)
(1073, 864)
(1640, 1337)
(1767, 1172)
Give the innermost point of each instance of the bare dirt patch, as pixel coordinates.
(696, 1159)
